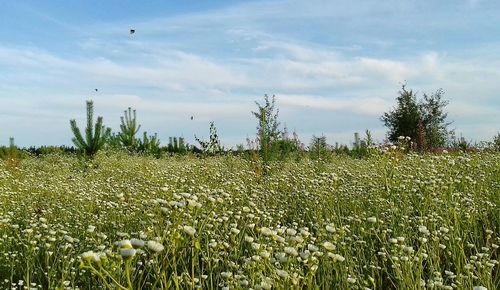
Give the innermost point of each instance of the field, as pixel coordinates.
(392, 221)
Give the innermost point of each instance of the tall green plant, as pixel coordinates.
(212, 146)
(95, 135)
(129, 128)
(268, 132)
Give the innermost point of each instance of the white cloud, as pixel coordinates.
(364, 106)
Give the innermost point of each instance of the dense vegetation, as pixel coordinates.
(119, 221)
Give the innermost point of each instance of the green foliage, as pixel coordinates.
(129, 128)
(496, 142)
(423, 121)
(268, 133)
(95, 135)
(362, 147)
(212, 146)
(318, 148)
(12, 155)
(149, 145)
(135, 222)
(45, 150)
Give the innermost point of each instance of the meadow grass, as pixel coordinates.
(392, 221)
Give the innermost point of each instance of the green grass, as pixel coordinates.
(390, 222)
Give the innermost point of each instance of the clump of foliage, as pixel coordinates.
(149, 145)
(177, 145)
(95, 135)
(362, 147)
(424, 121)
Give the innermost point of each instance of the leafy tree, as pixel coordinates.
(129, 128)
(267, 130)
(433, 119)
(423, 121)
(95, 135)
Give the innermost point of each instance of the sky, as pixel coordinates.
(334, 66)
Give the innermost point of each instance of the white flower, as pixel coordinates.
(266, 231)
(423, 230)
(265, 254)
(282, 273)
(248, 239)
(155, 246)
(127, 252)
(479, 288)
(291, 232)
(291, 251)
(372, 219)
(124, 244)
(136, 243)
(408, 249)
(88, 255)
(312, 248)
(336, 257)
(329, 246)
(189, 230)
(330, 228)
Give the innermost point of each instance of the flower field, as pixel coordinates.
(392, 221)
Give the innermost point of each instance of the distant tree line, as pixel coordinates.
(416, 124)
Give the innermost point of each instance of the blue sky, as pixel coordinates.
(334, 66)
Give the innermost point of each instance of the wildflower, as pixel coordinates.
(291, 251)
(371, 219)
(408, 249)
(329, 246)
(136, 243)
(282, 273)
(127, 252)
(266, 231)
(255, 246)
(155, 246)
(423, 230)
(336, 257)
(265, 254)
(125, 244)
(189, 230)
(479, 288)
(87, 256)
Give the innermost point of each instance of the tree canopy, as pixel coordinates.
(424, 121)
